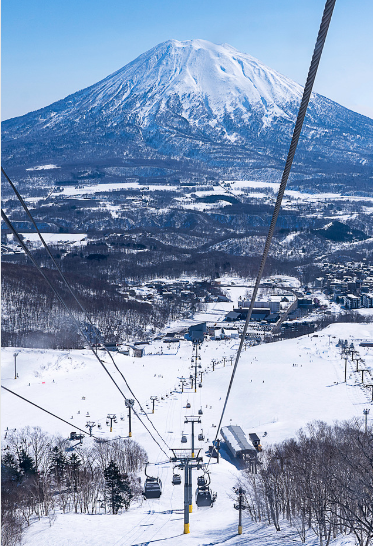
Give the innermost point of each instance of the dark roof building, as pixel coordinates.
(237, 443)
(232, 316)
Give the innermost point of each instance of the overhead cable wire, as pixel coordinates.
(64, 420)
(66, 282)
(46, 411)
(28, 253)
(324, 26)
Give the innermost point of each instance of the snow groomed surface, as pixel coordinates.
(279, 387)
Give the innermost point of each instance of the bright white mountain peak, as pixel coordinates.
(197, 70)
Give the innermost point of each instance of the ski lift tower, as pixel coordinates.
(184, 460)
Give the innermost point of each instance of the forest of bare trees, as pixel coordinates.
(320, 482)
(43, 475)
(32, 316)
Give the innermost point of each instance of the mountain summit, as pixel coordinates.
(208, 104)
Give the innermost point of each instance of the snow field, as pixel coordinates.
(278, 388)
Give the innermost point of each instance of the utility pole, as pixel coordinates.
(346, 360)
(193, 420)
(366, 412)
(224, 359)
(153, 399)
(15, 365)
(218, 450)
(371, 385)
(362, 375)
(231, 359)
(188, 464)
(90, 425)
(201, 376)
(186, 499)
(240, 505)
(353, 352)
(183, 381)
(195, 358)
(358, 359)
(112, 418)
(190, 488)
(213, 362)
(129, 404)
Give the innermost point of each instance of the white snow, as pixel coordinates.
(43, 168)
(55, 238)
(278, 388)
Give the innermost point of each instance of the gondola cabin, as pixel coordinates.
(152, 488)
(176, 479)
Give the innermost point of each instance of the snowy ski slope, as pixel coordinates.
(278, 388)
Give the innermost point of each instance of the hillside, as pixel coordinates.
(279, 387)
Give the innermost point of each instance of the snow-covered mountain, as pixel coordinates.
(196, 101)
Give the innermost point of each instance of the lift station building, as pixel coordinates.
(237, 443)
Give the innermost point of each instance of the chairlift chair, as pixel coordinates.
(188, 406)
(200, 412)
(201, 436)
(183, 439)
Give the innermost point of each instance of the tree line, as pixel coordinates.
(42, 476)
(320, 482)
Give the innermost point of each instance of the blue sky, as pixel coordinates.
(51, 48)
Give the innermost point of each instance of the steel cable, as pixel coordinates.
(324, 26)
(25, 207)
(28, 253)
(46, 411)
(64, 420)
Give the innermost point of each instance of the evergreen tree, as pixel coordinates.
(9, 468)
(118, 488)
(58, 464)
(26, 464)
(74, 464)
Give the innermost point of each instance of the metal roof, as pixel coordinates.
(236, 437)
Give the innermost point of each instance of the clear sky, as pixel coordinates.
(52, 48)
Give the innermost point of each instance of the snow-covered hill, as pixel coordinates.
(208, 104)
(278, 388)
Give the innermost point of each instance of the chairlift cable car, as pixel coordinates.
(204, 495)
(152, 486)
(176, 479)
